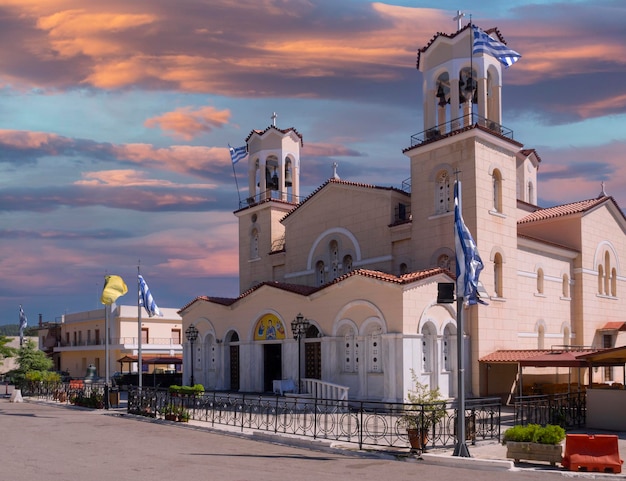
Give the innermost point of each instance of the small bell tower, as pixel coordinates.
(459, 88)
(273, 191)
(274, 164)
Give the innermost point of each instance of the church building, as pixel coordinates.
(355, 268)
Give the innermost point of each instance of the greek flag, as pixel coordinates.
(468, 262)
(23, 324)
(237, 153)
(483, 43)
(146, 300)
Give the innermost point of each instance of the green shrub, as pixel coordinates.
(187, 390)
(533, 433)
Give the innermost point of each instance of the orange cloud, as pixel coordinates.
(131, 178)
(187, 123)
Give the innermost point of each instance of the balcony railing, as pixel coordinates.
(159, 341)
(458, 124)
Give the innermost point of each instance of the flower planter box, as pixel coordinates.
(551, 453)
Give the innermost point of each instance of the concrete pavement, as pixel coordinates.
(484, 455)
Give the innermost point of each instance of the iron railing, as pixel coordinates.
(464, 121)
(359, 422)
(565, 409)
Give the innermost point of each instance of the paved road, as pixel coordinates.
(59, 443)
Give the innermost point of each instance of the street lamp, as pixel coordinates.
(298, 327)
(192, 334)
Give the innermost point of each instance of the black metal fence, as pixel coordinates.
(362, 423)
(566, 409)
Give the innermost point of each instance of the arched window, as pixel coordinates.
(254, 244)
(444, 261)
(333, 249)
(600, 279)
(320, 271)
(403, 268)
(566, 286)
(497, 190)
(347, 264)
(531, 193)
(541, 335)
(540, 281)
(350, 352)
(614, 282)
(374, 348)
(443, 198)
(607, 273)
(566, 336)
(497, 275)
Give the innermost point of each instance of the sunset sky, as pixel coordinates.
(115, 118)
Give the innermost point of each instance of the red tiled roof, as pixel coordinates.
(440, 34)
(528, 152)
(614, 326)
(308, 290)
(272, 127)
(563, 210)
(512, 355)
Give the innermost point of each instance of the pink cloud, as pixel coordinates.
(131, 178)
(187, 123)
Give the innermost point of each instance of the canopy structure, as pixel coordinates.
(161, 360)
(560, 357)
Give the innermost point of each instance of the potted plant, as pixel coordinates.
(535, 443)
(426, 409)
(183, 415)
(171, 412)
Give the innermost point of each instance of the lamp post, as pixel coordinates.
(192, 334)
(298, 327)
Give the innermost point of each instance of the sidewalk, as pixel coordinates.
(484, 455)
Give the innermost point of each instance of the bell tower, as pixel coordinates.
(459, 88)
(274, 164)
(463, 138)
(273, 191)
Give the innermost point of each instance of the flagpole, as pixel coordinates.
(107, 308)
(139, 358)
(460, 449)
(237, 184)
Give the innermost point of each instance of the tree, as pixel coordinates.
(29, 358)
(6, 351)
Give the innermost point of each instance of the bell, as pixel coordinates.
(470, 85)
(288, 179)
(275, 180)
(441, 96)
(268, 178)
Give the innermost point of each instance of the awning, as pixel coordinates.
(615, 356)
(558, 359)
(153, 359)
(511, 356)
(614, 326)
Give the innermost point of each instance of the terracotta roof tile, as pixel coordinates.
(563, 210)
(272, 127)
(308, 290)
(440, 34)
(512, 355)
